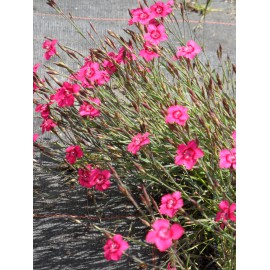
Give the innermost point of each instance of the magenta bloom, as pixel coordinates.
(189, 51)
(35, 137)
(125, 55)
(187, 155)
(89, 73)
(227, 158)
(84, 176)
(161, 9)
(171, 203)
(115, 247)
(155, 34)
(109, 65)
(226, 212)
(177, 114)
(141, 15)
(88, 109)
(44, 110)
(35, 67)
(100, 179)
(73, 153)
(65, 95)
(137, 142)
(148, 53)
(163, 234)
(49, 46)
(47, 125)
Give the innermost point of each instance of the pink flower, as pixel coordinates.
(161, 9)
(171, 203)
(35, 137)
(115, 247)
(227, 158)
(155, 34)
(49, 46)
(88, 109)
(89, 73)
(73, 153)
(137, 142)
(177, 114)
(109, 65)
(125, 55)
(100, 179)
(65, 95)
(103, 77)
(189, 51)
(47, 125)
(226, 212)
(163, 234)
(187, 155)
(84, 176)
(44, 110)
(141, 15)
(35, 67)
(148, 53)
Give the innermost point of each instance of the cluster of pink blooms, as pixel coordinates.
(137, 142)
(44, 111)
(228, 156)
(226, 213)
(49, 46)
(65, 94)
(94, 177)
(189, 51)
(115, 247)
(87, 109)
(73, 153)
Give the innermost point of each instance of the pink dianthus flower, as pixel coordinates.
(84, 176)
(89, 73)
(163, 234)
(161, 9)
(155, 34)
(100, 179)
(49, 46)
(47, 125)
(44, 110)
(177, 114)
(35, 137)
(137, 142)
(73, 153)
(147, 52)
(88, 109)
(115, 247)
(35, 67)
(189, 51)
(187, 155)
(125, 55)
(226, 212)
(65, 95)
(227, 158)
(171, 203)
(141, 15)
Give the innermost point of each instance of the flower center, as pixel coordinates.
(164, 233)
(90, 72)
(231, 158)
(188, 154)
(177, 114)
(159, 10)
(188, 49)
(137, 141)
(100, 179)
(114, 247)
(143, 16)
(73, 153)
(155, 34)
(170, 203)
